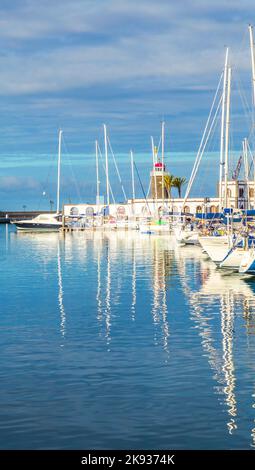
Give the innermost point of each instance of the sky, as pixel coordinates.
(130, 64)
(77, 64)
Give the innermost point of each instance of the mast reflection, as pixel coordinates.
(108, 297)
(103, 291)
(133, 304)
(216, 292)
(227, 329)
(61, 295)
(161, 263)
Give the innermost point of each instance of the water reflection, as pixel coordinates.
(228, 294)
(46, 249)
(108, 298)
(61, 296)
(132, 276)
(160, 271)
(6, 237)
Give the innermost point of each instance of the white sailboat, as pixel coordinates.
(217, 248)
(247, 264)
(239, 258)
(233, 259)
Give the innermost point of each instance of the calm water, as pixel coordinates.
(122, 341)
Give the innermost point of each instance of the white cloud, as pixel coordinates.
(80, 54)
(14, 183)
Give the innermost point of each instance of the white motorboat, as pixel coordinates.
(41, 223)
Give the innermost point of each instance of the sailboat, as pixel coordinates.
(238, 258)
(44, 222)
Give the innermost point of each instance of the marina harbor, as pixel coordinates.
(127, 233)
(223, 225)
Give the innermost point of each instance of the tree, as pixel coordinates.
(178, 183)
(169, 183)
(51, 205)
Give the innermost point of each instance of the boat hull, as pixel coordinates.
(233, 259)
(33, 227)
(247, 265)
(216, 247)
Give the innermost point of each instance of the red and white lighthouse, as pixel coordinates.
(158, 173)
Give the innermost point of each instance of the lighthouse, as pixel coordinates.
(158, 173)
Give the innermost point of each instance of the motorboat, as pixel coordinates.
(40, 223)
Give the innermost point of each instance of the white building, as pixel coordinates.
(240, 196)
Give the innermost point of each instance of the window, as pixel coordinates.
(74, 211)
(121, 210)
(186, 210)
(105, 210)
(89, 211)
(198, 209)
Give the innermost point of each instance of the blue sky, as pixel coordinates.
(79, 63)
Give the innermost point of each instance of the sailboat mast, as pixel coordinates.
(222, 129)
(162, 159)
(154, 173)
(253, 85)
(252, 60)
(106, 166)
(97, 174)
(246, 170)
(59, 161)
(227, 135)
(132, 174)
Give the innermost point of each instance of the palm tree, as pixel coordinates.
(169, 182)
(178, 183)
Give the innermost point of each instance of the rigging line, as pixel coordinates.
(202, 151)
(252, 158)
(210, 148)
(241, 88)
(204, 184)
(142, 187)
(198, 158)
(159, 146)
(101, 156)
(117, 170)
(191, 181)
(71, 167)
(202, 140)
(45, 186)
(246, 108)
(204, 134)
(148, 189)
